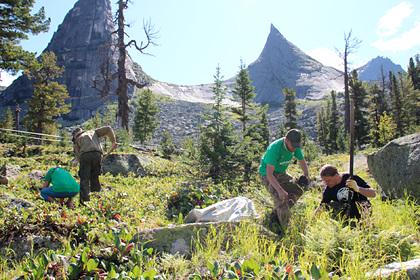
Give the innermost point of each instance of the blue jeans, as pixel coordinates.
(48, 192)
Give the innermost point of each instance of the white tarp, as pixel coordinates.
(229, 210)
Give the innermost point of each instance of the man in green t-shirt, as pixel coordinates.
(284, 190)
(59, 184)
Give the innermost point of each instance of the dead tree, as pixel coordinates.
(103, 82)
(350, 45)
(123, 81)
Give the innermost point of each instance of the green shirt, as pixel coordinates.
(61, 180)
(279, 156)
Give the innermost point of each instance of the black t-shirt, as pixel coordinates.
(343, 194)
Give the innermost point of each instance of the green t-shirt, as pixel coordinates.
(279, 156)
(61, 180)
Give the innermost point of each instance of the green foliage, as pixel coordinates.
(167, 146)
(16, 23)
(145, 121)
(361, 125)
(8, 123)
(216, 137)
(48, 100)
(387, 129)
(243, 92)
(290, 111)
(333, 125)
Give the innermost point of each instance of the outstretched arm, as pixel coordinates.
(283, 195)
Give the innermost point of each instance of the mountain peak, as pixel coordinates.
(371, 71)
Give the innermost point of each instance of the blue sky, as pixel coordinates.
(196, 35)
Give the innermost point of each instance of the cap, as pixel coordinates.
(294, 137)
(77, 132)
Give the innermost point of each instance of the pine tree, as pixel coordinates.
(145, 121)
(409, 101)
(396, 104)
(374, 113)
(322, 128)
(167, 146)
(414, 72)
(361, 125)
(290, 111)
(16, 23)
(48, 100)
(333, 122)
(216, 138)
(387, 129)
(7, 122)
(243, 92)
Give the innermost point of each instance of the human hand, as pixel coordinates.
(352, 185)
(303, 181)
(283, 196)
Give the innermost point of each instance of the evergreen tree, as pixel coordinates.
(396, 104)
(410, 106)
(216, 138)
(16, 23)
(290, 111)
(167, 145)
(48, 100)
(414, 72)
(333, 122)
(7, 122)
(145, 121)
(374, 113)
(263, 129)
(387, 129)
(322, 128)
(361, 125)
(243, 92)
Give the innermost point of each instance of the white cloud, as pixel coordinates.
(391, 21)
(6, 79)
(404, 41)
(327, 57)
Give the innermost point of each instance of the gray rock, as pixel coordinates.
(396, 167)
(123, 164)
(397, 269)
(18, 203)
(179, 239)
(281, 64)
(35, 175)
(81, 44)
(10, 171)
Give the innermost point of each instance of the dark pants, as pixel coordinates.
(282, 209)
(89, 170)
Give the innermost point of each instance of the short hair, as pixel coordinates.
(328, 171)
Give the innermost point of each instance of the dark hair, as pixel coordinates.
(328, 171)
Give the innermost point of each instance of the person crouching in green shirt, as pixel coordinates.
(282, 187)
(59, 184)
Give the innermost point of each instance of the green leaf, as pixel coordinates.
(91, 265)
(149, 251)
(112, 274)
(315, 272)
(149, 275)
(136, 271)
(251, 265)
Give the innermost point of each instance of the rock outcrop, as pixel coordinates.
(396, 167)
(123, 164)
(82, 44)
(283, 65)
(371, 71)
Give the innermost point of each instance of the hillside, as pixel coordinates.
(46, 240)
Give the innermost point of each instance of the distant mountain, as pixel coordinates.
(371, 71)
(281, 64)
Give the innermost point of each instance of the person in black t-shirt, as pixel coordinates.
(345, 195)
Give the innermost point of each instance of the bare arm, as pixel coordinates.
(45, 184)
(283, 195)
(368, 192)
(108, 132)
(304, 168)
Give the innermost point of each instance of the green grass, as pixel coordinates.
(94, 240)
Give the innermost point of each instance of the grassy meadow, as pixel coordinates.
(94, 242)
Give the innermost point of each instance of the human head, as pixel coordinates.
(293, 138)
(76, 133)
(329, 174)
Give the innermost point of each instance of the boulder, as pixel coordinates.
(17, 203)
(180, 238)
(10, 171)
(396, 166)
(123, 164)
(409, 269)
